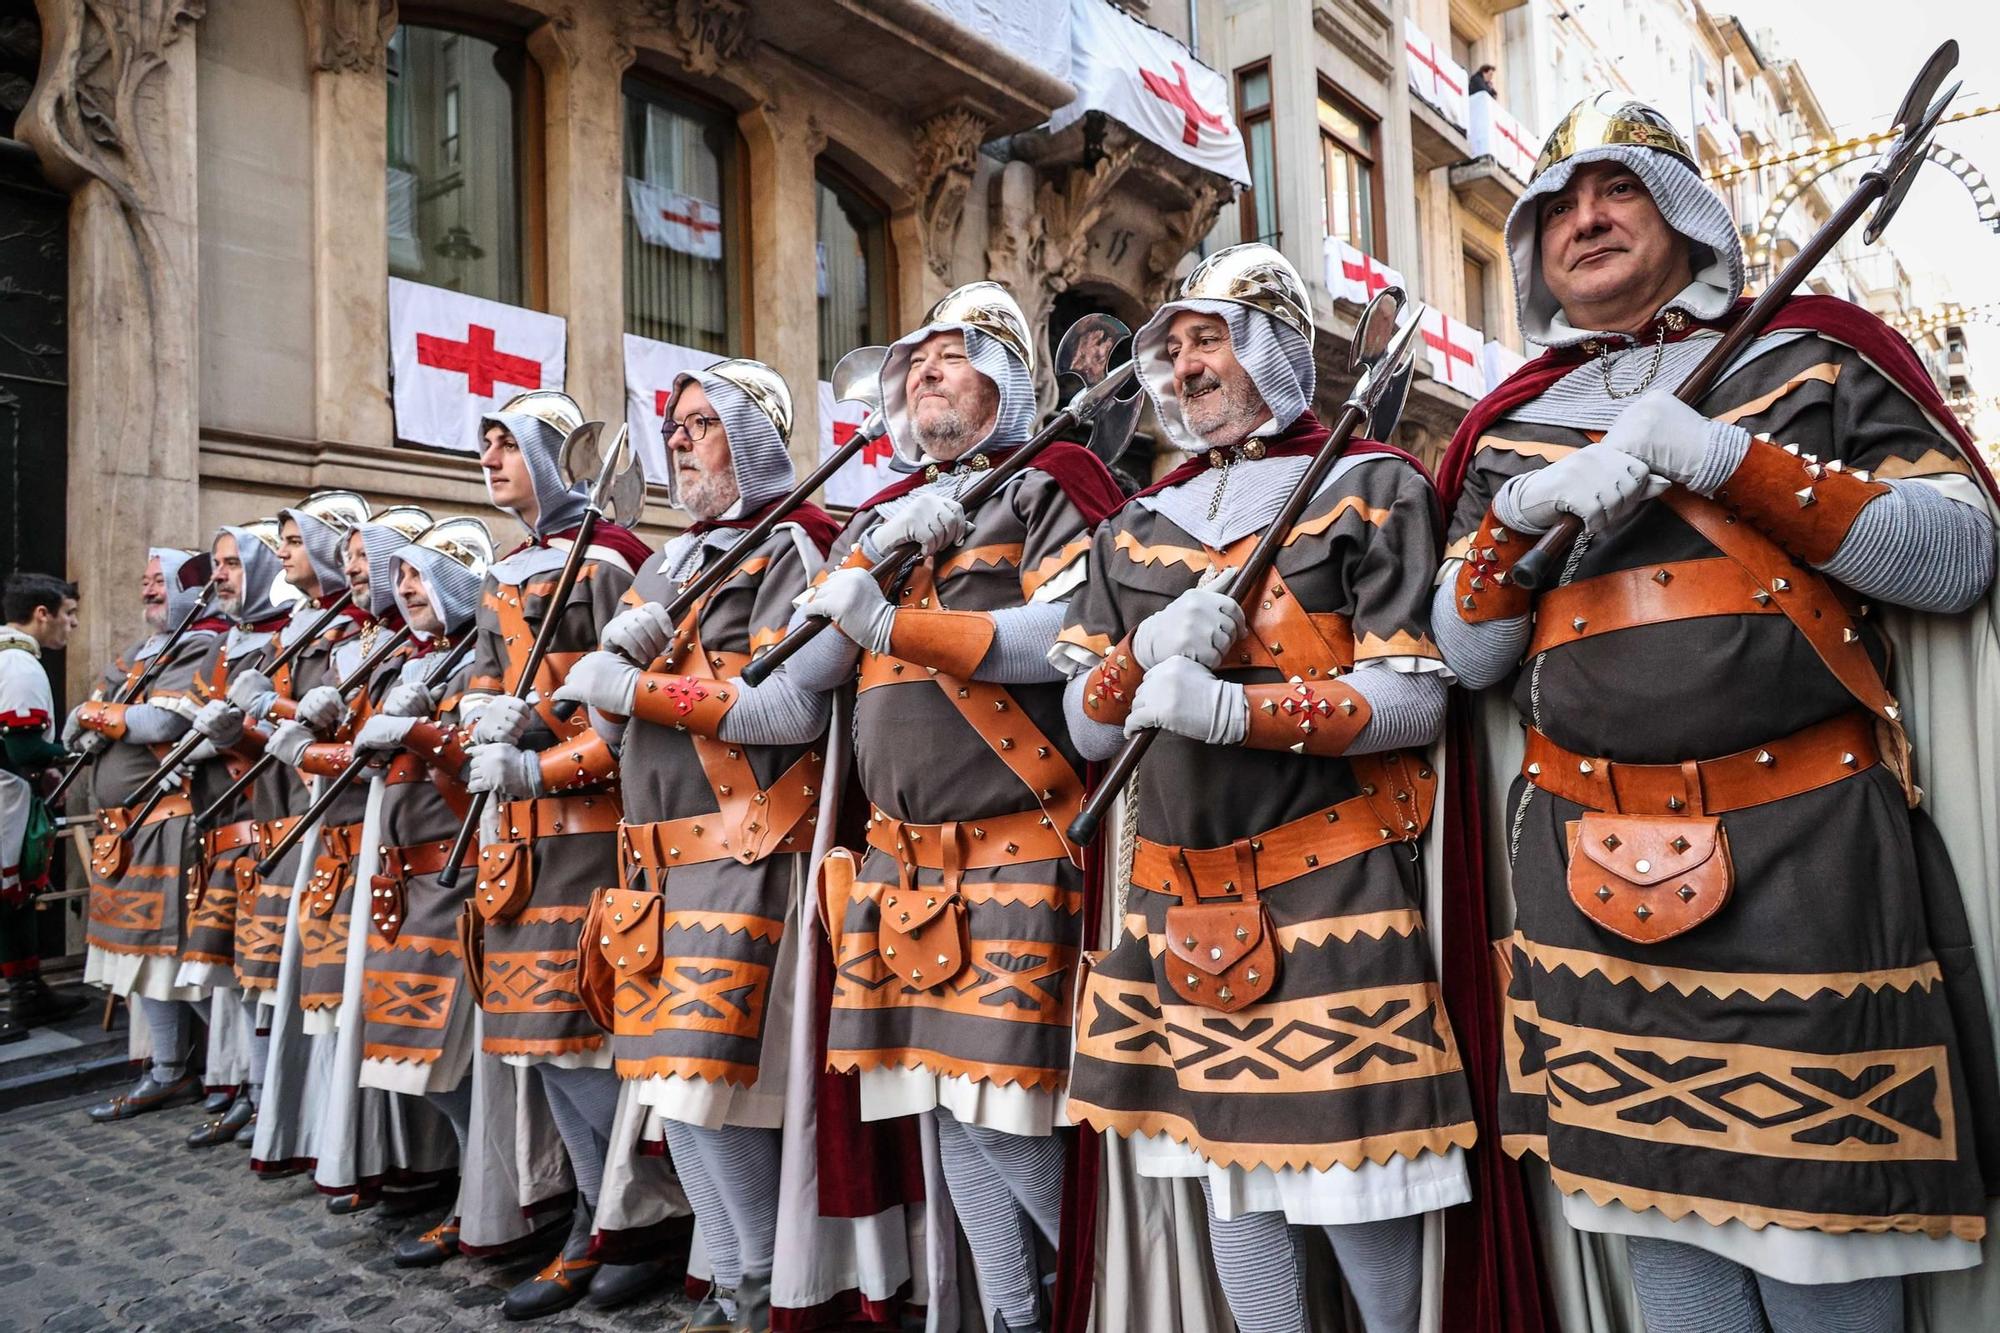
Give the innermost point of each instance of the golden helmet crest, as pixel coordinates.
(763, 386)
(1606, 119)
(264, 530)
(406, 519)
(343, 511)
(1254, 275)
(992, 309)
(550, 406)
(464, 540)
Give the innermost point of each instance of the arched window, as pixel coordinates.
(682, 248)
(454, 162)
(853, 271)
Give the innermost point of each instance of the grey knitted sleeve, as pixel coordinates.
(1917, 547)
(149, 724)
(1094, 739)
(1019, 653)
(1405, 708)
(1479, 655)
(791, 707)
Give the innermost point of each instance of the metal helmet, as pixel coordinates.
(992, 309)
(550, 406)
(409, 520)
(763, 386)
(264, 530)
(1257, 276)
(1607, 118)
(463, 540)
(343, 511)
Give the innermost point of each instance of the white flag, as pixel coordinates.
(1145, 79)
(456, 358)
(1455, 349)
(650, 370)
(1352, 275)
(1434, 75)
(865, 473)
(678, 221)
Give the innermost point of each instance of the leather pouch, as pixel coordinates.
(922, 935)
(1648, 878)
(385, 906)
(1221, 955)
(329, 875)
(245, 869)
(109, 855)
(506, 879)
(596, 979)
(629, 929)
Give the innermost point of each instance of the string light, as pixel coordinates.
(1982, 193)
(1778, 157)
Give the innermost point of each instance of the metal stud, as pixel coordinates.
(1224, 994)
(1662, 577)
(1241, 934)
(1578, 624)
(1604, 893)
(1253, 976)
(1766, 758)
(1643, 912)
(1679, 844)
(1685, 893)
(1847, 759)
(1187, 942)
(1675, 803)
(1612, 842)
(1642, 865)
(1193, 981)
(1584, 766)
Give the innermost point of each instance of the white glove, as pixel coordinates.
(202, 752)
(220, 721)
(1200, 624)
(1184, 697)
(73, 728)
(510, 774)
(88, 743)
(252, 692)
(383, 732)
(605, 681)
(1597, 483)
(638, 634)
(1672, 438)
(322, 709)
(411, 700)
(931, 520)
(503, 722)
(288, 743)
(852, 600)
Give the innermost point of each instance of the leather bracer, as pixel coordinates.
(106, 719)
(1486, 590)
(1305, 717)
(955, 642)
(583, 761)
(441, 747)
(1802, 504)
(1108, 690)
(326, 759)
(688, 703)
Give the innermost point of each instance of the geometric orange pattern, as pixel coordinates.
(116, 907)
(531, 982)
(408, 999)
(259, 939)
(1017, 981)
(720, 995)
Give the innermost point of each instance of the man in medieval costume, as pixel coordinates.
(955, 940)
(1741, 1020)
(135, 917)
(1274, 917)
(548, 844)
(40, 613)
(694, 958)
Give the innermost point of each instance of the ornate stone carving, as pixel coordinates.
(947, 155)
(348, 36)
(1178, 235)
(704, 34)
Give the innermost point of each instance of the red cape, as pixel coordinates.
(1082, 476)
(1493, 1276)
(819, 526)
(624, 541)
(1302, 438)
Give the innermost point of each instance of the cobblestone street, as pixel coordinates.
(122, 1227)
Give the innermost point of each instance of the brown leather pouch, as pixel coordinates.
(109, 855)
(596, 979)
(1221, 955)
(922, 935)
(385, 906)
(1648, 878)
(472, 950)
(506, 879)
(323, 889)
(628, 930)
(245, 868)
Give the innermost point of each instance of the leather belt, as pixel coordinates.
(340, 841)
(549, 816)
(666, 843)
(972, 844)
(404, 768)
(269, 831)
(228, 837)
(419, 858)
(117, 817)
(1648, 595)
(1816, 756)
(1298, 847)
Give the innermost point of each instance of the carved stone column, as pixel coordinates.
(112, 120)
(584, 53)
(947, 158)
(347, 41)
(784, 231)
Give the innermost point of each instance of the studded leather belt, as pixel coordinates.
(550, 816)
(270, 831)
(1648, 595)
(667, 843)
(417, 858)
(1816, 756)
(228, 837)
(968, 844)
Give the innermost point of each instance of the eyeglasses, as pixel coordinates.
(694, 423)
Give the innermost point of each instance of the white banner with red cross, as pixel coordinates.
(454, 358)
(1434, 75)
(1499, 361)
(678, 221)
(650, 370)
(1455, 349)
(1497, 135)
(1141, 77)
(1352, 275)
(865, 473)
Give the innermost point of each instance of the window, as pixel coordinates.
(454, 162)
(1347, 159)
(853, 272)
(682, 265)
(1475, 292)
(1461, 51)
(1259, 203)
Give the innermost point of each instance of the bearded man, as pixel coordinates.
(1742, 1023)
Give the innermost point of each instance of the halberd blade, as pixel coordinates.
(1904, 158)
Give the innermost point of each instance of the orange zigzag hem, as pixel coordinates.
(1278, 1156)
(1001, 1076)
(1581, 964)
(711, 923)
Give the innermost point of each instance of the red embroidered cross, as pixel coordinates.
(1365, 273)
(1194, 118)
(1304, 703)
(1441, 342)
(1429, 57)
(686, 692)
(477, 360)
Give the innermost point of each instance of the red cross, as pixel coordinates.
(661, 397)
(476, 359)
(1428, 57)
(1194, 117)
(693, 222)
(873, 452)
(1441, 342)
(1505, 129)
(1365, 273)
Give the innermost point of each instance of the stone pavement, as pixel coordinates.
(122, 1227)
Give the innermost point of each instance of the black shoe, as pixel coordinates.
(224, 1128)
(402, 1203)
(346, 1205)
(430, 1249)
(247, 1135)
(145, 1095)
(621, 1284)
(563, 1282)
(219, 1101)
(11, 1031)
(31, 1002)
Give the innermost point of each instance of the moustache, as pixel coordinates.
(1200, 384)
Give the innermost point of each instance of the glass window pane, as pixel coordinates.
(1262, 218)
(1475, 293)
(1338, 120)
(454, 167)
(853, 280)
(1256, 90)
(680, 245)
